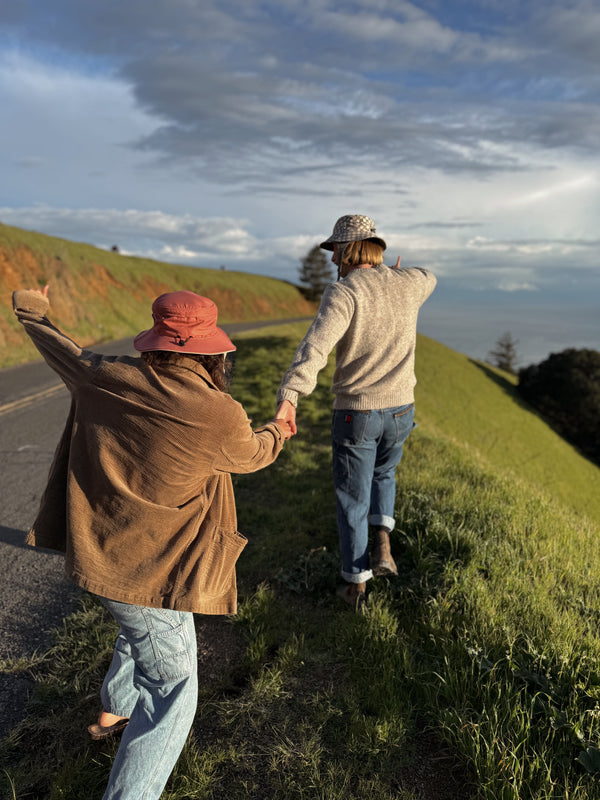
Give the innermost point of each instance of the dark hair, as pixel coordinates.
(218, 367)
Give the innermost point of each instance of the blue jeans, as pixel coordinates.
(367, 448)
(152, 680)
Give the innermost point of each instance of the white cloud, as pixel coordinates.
(512, 286)
(553, 190)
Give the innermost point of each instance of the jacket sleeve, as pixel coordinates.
(62, 354)
(247, 450)
(329, 325)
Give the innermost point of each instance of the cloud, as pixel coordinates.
(556, 190)
(572, 30)
(444, 225)
(241, 100)
(184, 233)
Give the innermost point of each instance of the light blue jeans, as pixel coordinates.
(153, 680)
(367, 448)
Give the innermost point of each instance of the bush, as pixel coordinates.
(565, 389)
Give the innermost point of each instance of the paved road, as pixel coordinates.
(34, 595)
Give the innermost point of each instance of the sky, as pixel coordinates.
(235, 132)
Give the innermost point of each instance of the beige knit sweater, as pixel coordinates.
(370, 317)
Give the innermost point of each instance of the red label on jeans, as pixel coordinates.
(348, 418)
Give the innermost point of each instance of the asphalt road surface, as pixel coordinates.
(34, 594)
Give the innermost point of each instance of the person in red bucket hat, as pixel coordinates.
(140, 501)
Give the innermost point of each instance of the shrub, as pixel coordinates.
(565, 389)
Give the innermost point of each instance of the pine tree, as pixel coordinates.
(315, 272)
(505, 355)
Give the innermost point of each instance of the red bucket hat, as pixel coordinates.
(184, 322)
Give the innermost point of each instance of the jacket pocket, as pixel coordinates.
(216, 567)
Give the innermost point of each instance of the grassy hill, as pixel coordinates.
(478, 408)
(99, 296)
(473, 674)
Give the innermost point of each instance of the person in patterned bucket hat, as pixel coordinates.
(370, 317)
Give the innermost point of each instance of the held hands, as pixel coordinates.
(287, 431)
(286, 412)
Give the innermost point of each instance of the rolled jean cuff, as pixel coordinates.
(357, 577)
(382, 521)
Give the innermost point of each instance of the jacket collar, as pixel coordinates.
(193, 366)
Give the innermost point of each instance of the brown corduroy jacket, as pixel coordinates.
(139, 495)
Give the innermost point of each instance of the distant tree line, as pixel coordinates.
(565, 389)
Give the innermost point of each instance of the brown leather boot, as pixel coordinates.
(382, 562)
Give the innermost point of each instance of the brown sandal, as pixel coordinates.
(96, 731)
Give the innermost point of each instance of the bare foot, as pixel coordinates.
(105, 720)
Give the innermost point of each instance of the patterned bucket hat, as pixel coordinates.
(353, 228)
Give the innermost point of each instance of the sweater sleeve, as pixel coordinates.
(425, 279)
(62, 354)
(329, 325)
(246, 450)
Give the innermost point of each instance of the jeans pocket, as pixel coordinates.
(349, 427)
(404, 422)
(172, 653)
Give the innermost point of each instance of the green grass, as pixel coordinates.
(480, 661)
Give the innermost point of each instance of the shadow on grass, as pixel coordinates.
(499, 379)
(509, 388)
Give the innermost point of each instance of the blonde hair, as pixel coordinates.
(362, 252)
